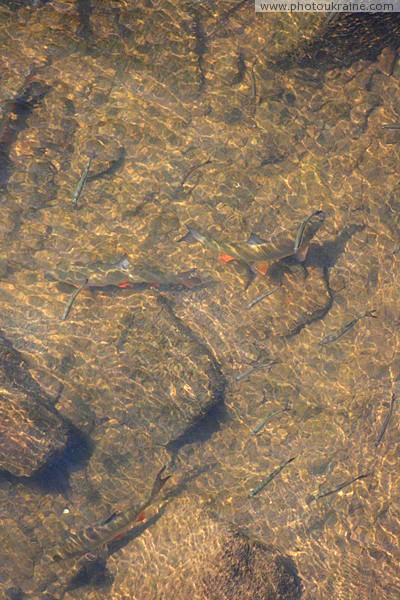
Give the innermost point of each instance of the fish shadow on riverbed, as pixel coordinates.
(323, 256)
(326, 255)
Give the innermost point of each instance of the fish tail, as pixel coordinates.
(158, 484)
(370, 313)
(255, 240)
(261, 267)
(189, 237)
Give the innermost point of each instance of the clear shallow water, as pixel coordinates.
(156, 91)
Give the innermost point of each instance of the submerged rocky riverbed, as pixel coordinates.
(202, 114)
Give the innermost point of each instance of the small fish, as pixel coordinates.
(306, 232)
(193, 169)
(332, 337)
(72, 299)
(253, 87)
(82, 181)
(113, 528)
(256, 366)
(256, 252)
(390, 127)
(339, 487)
(385, 422)
(268, 418)
(270, 477)
(262, 296)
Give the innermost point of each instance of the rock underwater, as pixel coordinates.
(31, 431)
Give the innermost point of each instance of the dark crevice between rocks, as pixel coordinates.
(342, 41)
(53, 478)
(186, 331)
(210, 422)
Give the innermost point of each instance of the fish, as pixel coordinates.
(270, 477)
(72, 299)
(391, 127)
(82, 181)
(111, 529)
(306, 232)
(256, 252)
(268, 418)
(385, 422)
(332, 337)
(112, 167)
(262, 296)
(256, 366)
(193, 169)
(253, 87)
(339, 487)
(121, 273)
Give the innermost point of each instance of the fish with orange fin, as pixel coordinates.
(121, 273)
(257, 253)
(113, 528)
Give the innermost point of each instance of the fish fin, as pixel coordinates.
(302, 252)
(141, 517)
(255, 240)
(125, 284)
(158, 484)
(124, 262)
(226, 258)
(261, 267)
(251, 274)
(110, 518)
(188, 237)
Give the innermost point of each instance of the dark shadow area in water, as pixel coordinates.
(94, 574)
(54, 477)
(84, 11)
(202, 431)
(327, 254)
(288, 564)
(344, 40)
(15, 120)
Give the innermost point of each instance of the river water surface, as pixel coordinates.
(204, 113)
